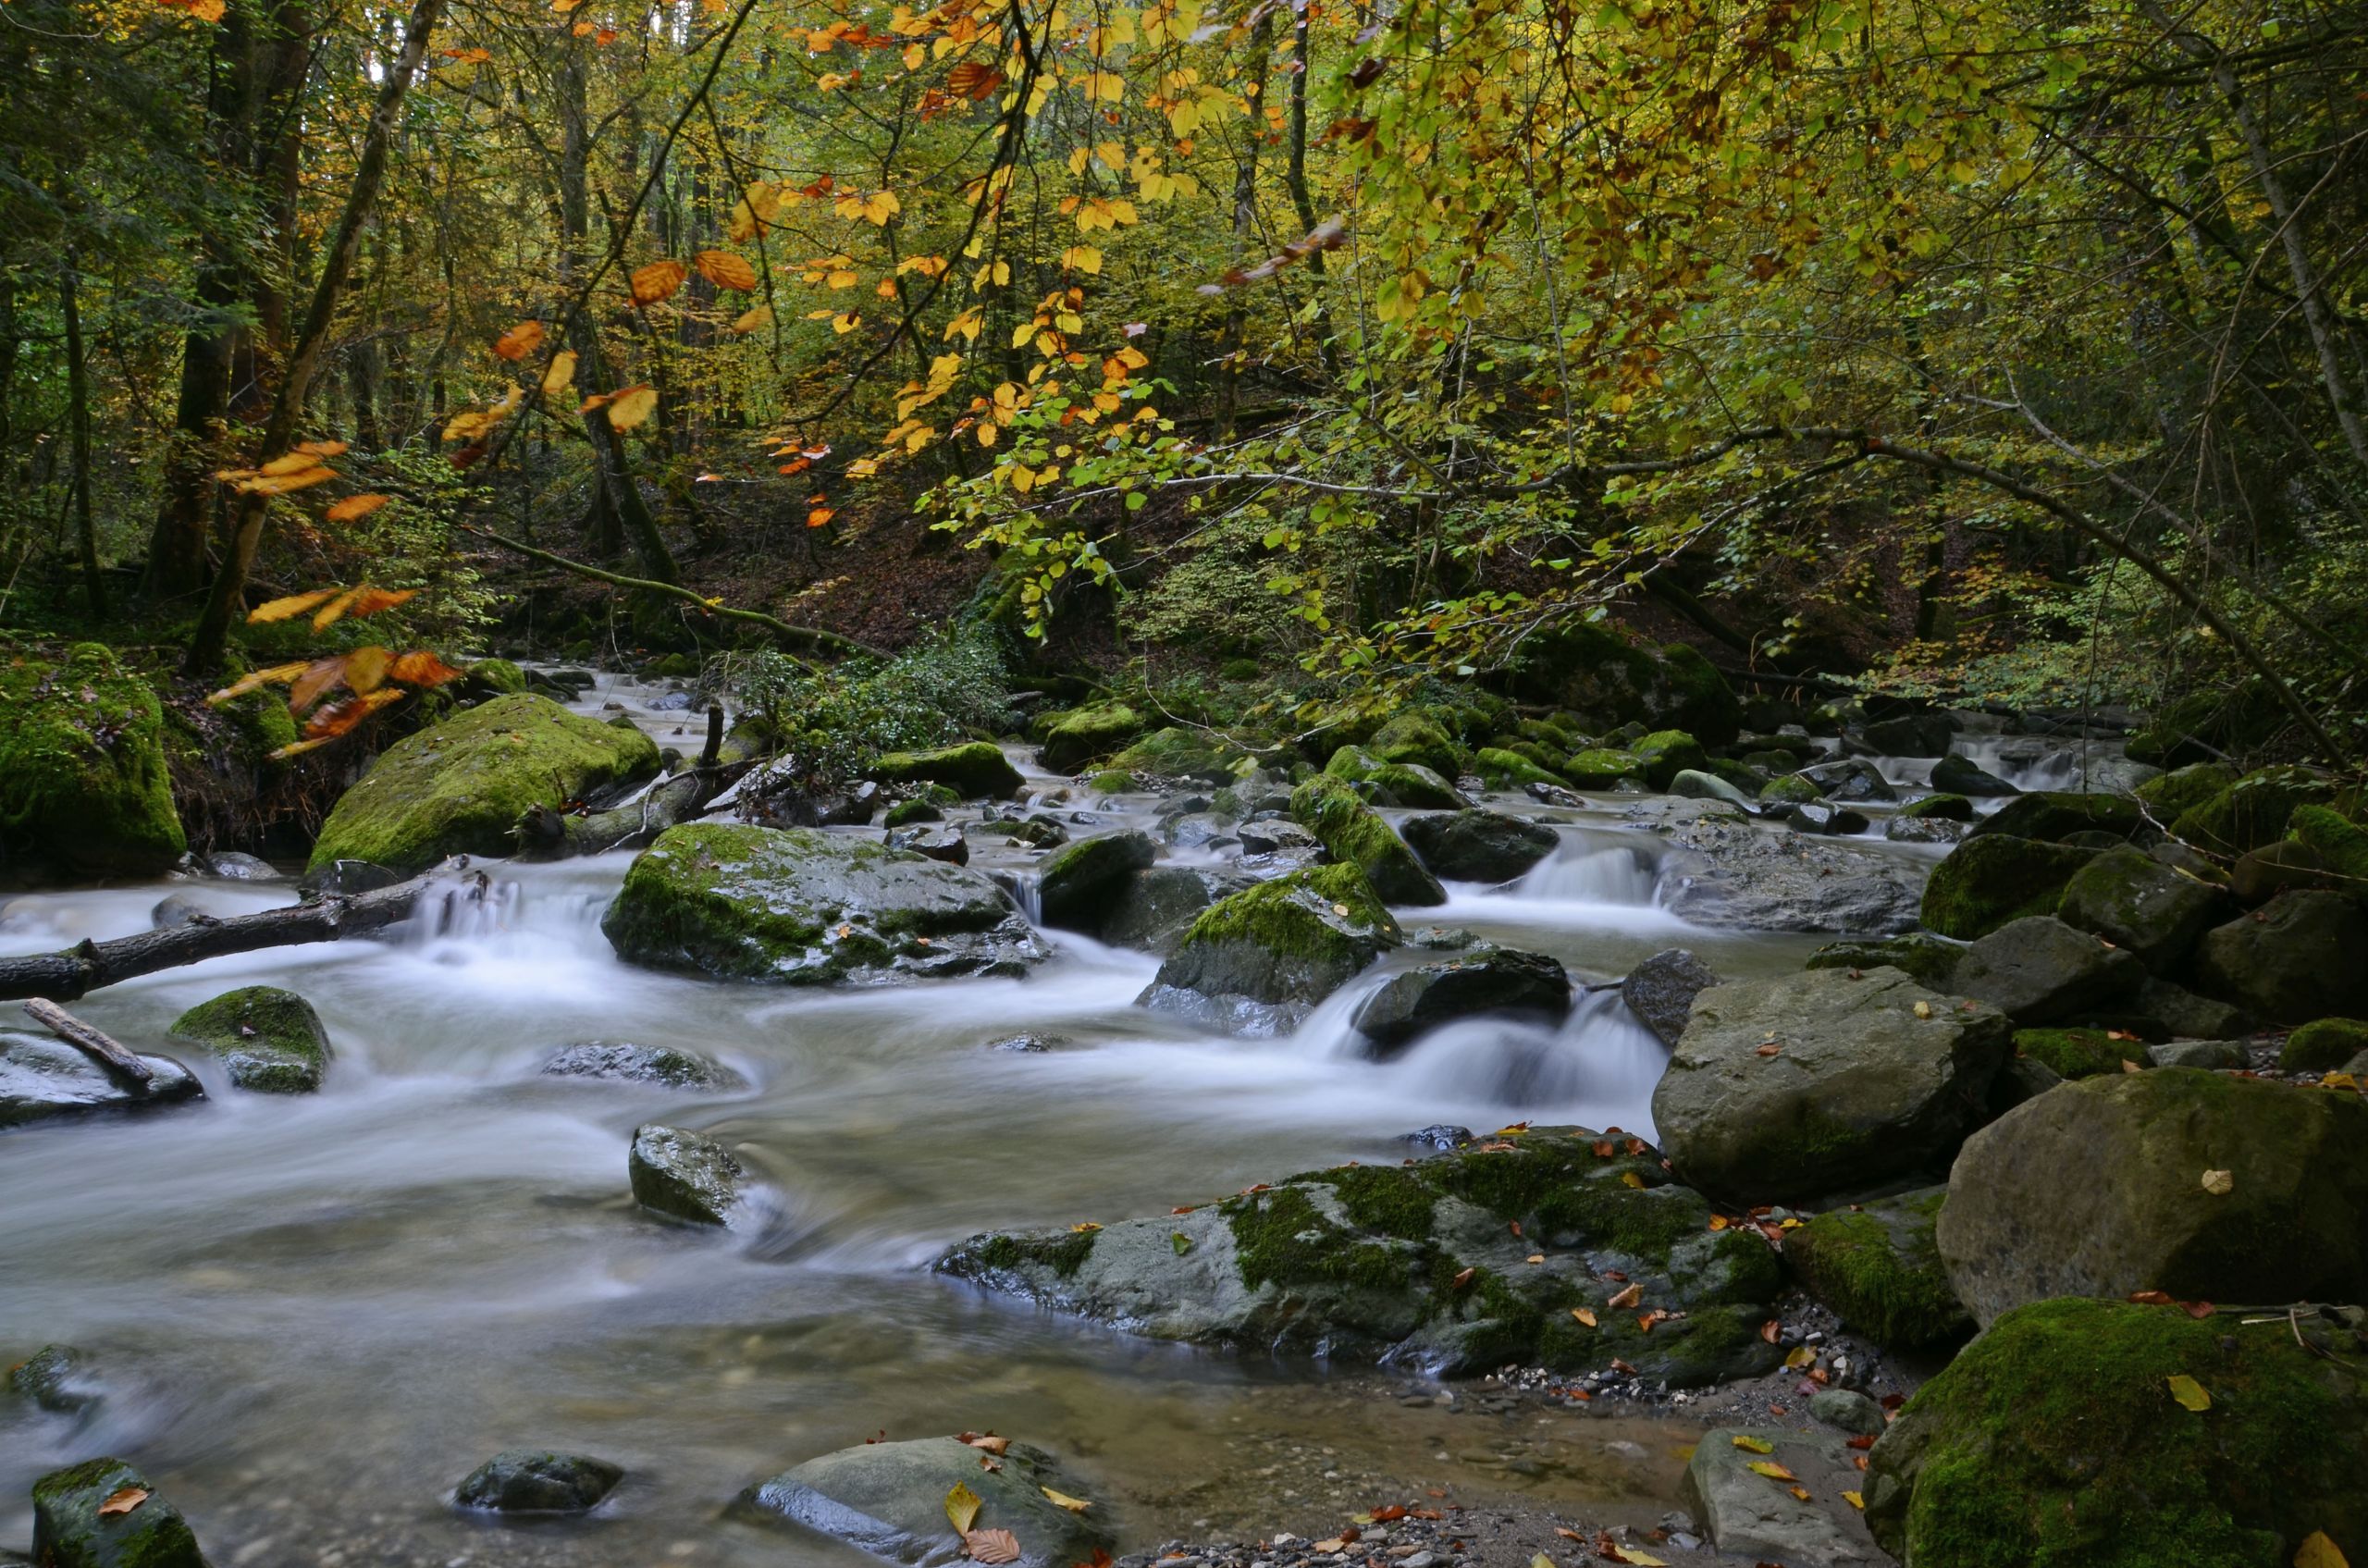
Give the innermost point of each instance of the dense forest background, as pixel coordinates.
(1988, 354)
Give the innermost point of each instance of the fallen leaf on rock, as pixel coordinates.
(1860, 1460)
(1855, 1500)
(992, 1545)
(2219, 1183)
(1062, 1500)
(1568, 1535)
(1718, 1222)
(1800, 1493)
(1535, 1257)
(1923, 1009)
(962, 1509)
(1630, 1179)
(1769, 1330)
(1584, 1315)
(1084, 1226)
(1331, 1546)
(1464, 1278)
(1798, 1357)
(1771, 1049)
(1755, 1445)
(986, 1440)
(1541, 1560)
(122, 1500)
(1862, 1441)
(1602, 1147)
(1394, 1512)
(1772, 1470)
(2151, 1298)
(1627, 1298)
(2317, 1552)
(2189, 1392)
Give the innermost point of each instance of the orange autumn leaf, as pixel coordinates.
(422, 668)
(631, 407)
(520, 341)
(657, 282)
(818, 516)
(317, 678)
(973, 80)
(365, 669)
(305, 479)
(352, 506)
(726, 270)
(122, 1500)
(289, 608)
(273, 675)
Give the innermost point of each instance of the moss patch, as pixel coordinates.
(1069, 740)
(975, 770)
(1354, 832)
(2325, 1046)
(2078, 1053)
(1667, 753)
(1599, 767)
(1415, 738)
(84, 785)
(1992, 879)
(2253, 812)
(270, 1040)
(1499, 768)
(2340, 845)
(1880, 1271)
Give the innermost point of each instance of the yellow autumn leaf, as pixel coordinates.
(1755, 1445)
(756, 320)
(1062, 1500)
(2219, 1183)
(352, 506)
(561, 374)
(1772, 1470)
(1855, 1500)
(962, 1508)
(632, 407)
(1587, 1316)
(2189, 1392)
(1081, 258)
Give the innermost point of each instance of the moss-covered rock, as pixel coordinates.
(270, 1040)
(1178, 753)
(1394, 784)
(1071, 739)
(459, 788)
(2170, 796)
(1877, 1267)
(800, 907)
(1790, 790)
(2058, 815)
(2340, 845)
(976, 770)
(2325, 1046)
(1992, 879)
(1258, 961)
(1354, 833)
(2054, 1441)
(57, 1377)
(1947, 808)
(84, 785)
(1500, 769)
(74, 1526)
(2078, 1053)
(1429, 1265)
(2296, 958)
(1933, 964)
(1417, 739)
(2253, 812)
(1667, 753)
(1077, 885)
(1596, 669)
(1601, 767)
(2139, 904)
(499, 677)
(1114, 781)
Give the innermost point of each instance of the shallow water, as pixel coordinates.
(315, 1315)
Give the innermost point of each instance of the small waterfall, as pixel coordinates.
(1617, 875)
(468, 907)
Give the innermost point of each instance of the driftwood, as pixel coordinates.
(87, 966)
(122, 1064)
(544, 834)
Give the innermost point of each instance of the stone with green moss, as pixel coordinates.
(1545, 756)
(2170, 796)
(906, 812)
(1394, 784)
(2078, 1053)
(1070, 739)
(1948, 808)
(459, 788)
(270, 1040)
(499, 677)
(1500, 769)
(801, 906)
(1877, 1267)
(2340, 845)
(1258, 961)
(1417, 737)
(2325, 1046)
(976, 770)
(1994, 880)
(2143, 906)
(1791, 790)
(1077, 885)
(1600, 767)
(1667, 753)
(85, 785)
(74, 1528)
(2054, 1441)
(2253, 812)
(1180, 753)
(1354, 833)
(1429, 1265)
(1932, 963)
(2057, 815)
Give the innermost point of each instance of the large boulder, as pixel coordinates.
(1911, 734)
(1489, 981)
(538, 1481)
(1394, 784)
(1155, 909)
(1257, 962)
(41, 1078)
(2039, 971)
(1664, 754)
(1721, 870)
(974, 769)
(1848, 779)
(1479, 845)
(1075, 885)
(2171, 795)
(2339, 844)
(1510, 1248)
(2053, 815)
(800, 907)
(1877, 1266)
(1660, 991)
(1747, 1513)
(1595, 671)
(1418, 739)
(1931, 962)
(2297, 958)
(2058, 1441)
(105, 1513)
(1354, 832)
(2323, 1045)
(2178, 1179)
(1178, 753)
(890, 1500)
(1991, 879)
(1958, 775)
(460, 786)
(84, 783)
(2138, 903)
(1072, 739)
(2254, 810)
(270, 1040)
(1783, 1090)
(690, 1177)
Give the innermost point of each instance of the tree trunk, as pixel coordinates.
(78, 417)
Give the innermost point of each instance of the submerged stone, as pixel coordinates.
(41, 1078)
(1491, 981)
(105, 1513)
(538, 1481)
(688, 1176)
(618, 1061)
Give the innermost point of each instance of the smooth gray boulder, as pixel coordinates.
(2037, 970)
(1479, 844)
(41, 1078)
(1720, 870)
(1849, 779)
(2302, 956)
(1489, 981)
(1661, 990)
(1747, 1515)
(890, 1499)
(690, 1177)
(538, 1481)
(1784, 1090)
(1953, 775)
(2138, 903)
(1153, 909)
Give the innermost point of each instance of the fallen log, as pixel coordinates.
(87, 966)
(122, 1063)
(546, 834)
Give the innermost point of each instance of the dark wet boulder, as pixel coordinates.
(1076, 885)
(1720, 870)
(890, 1500)
(1479, 845)
(538, 1481)
(665, 1067)
(947, 846)
(2055, 815)
(2261, 874)
(1849, 779)
(2300, 956)
(800, 907)
(1991, 879)
(690, 1177)
(975, 770)
(2009, 1457)
(1945, 807)
(2039, 971)
(1877, 1265)
(84, 786)
(1593, 669)
(1507, 1250)
(906, 813)
(1394, 784)
(1912, 735)
(175, 910)
(57, 1378)
(1277, 845)
(41, 1078)
(1355, 835)
(1923, 830)
(1258, 961)
(1153, 909)
(2254, 810)
(2340, 845)
(271, 1039)
(2137, 903)
(2197, 1183)
(1489, 981)
(105, 1513)
(1931, 963)
(1781, 1091)
(1070, 740)
(1821, 817)
(460, 786)
(1955, 775)
(231, 866)
(2168, 796)
(1661, 990)
(2323, 1045)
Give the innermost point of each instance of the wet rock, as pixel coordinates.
(2253, 812)
(1073, 739)
(348, 879)
(889, 1500)
(1878, 1268)
(74, 1525)
(1394, 784)
(1178, 753)
(1594, 671)
(1849, 779)
(1199, 830)
(1597, 767)
(1923, 830)
(1553, 795)
(1442, 939)
(459, 787)
(41, 1078)
(1154, 909)
(975, 770)
(659, 1065)
(1790, 790)
(1747, 1515)
(1040, 832)
(1821, 817)
(2004, 1458)
(1479, 844)
(1440, 1139)
(946, 846)
(83, 779)
(177, 909)
(1955, 775)
(1912, 735)
(1849, 1410)
(1932, 963)
(2340, 844)
(2078, 1053)
(688, 1176)
(905, 813)
(1077, 886)
(1727, 874)
(1258, 962)
(1868, 1078)
(2038, 970)
(2097, 1188)
(2160, 1010)
(1664, 754)
(1491, 981)
(1660, 991)
(1991, 880)
(1698, 786)
(2137, 903)
(1354, 834)
(57, 1378)
(538, 1481)
(1361, 1263)
(1280, 845)
(231, 866)
(798, 907)
(1030, 1043)
(2323, 1045)
(271, 1039)
(2261, 874)
(853, 807)
(2211, 1054)
(2053, 815)
(1945, 807)
(2296, 958)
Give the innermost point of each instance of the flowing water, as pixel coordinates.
(313, 1314)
